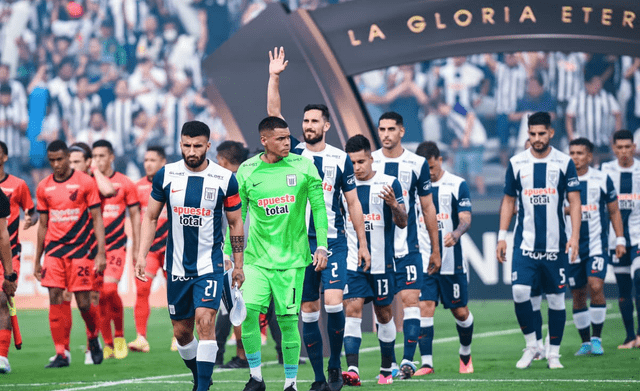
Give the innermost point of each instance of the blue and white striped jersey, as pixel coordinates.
(378, 224)
(596, 191)
(627, 183)
(195, 204)
(336, 171)
(540, 185)
(412, 171)
(450, 197)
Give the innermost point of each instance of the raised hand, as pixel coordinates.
(277, 63)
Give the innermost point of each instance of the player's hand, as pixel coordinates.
(501, 251)
(320, 260)
(388, 195)
(37, 271)
(620, 251)
(237, 277)
(141, 265)
(30, 221)
(364, 257)
(277, 64)
(451, 239)
(573, 248)
(9, 287)
(100, 263)
(435, 262)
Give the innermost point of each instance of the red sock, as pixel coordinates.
(68, 322)
(5, 342)
(96, 319)
(91, 319)
(57, 325)
(105, 319)
(117, 310)
(141, 309)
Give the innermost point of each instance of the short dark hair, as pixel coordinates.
(271, 123)
(428, 149)
(5, 150)
(357, 143)
(67, 61)
(58, 145)
(104, 144)
(582, 141)
(540, 118)
(392, 115)
(233, 151)
(537, 76)
(5, 89)
(157, 149)
(136, 113)
(622, 134)
(81, 147)
(96, 111)
(323, 108)
(195, 129)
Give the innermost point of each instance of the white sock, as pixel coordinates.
(554, 350)
(427, 360)
(531, 340)
(290, 382)
(256, 373)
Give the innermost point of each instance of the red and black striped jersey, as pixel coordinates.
(144, 186)
(67, 203)
(19, 196)
(114, 210)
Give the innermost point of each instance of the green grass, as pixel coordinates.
(494, 358)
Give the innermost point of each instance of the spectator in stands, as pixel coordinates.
(175, 112)
(146, 83)
(89, 64)
(633, 105)
(18, 94)
(536, 99)
(144, 132)
(63, 86)
(82, 105)
(112, 50)
(150, 43)
(119, 115)
(408, 99)
(13, 125)
(98, 130)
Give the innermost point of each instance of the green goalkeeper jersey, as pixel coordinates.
(275, 196)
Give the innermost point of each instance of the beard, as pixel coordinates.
(194, 164)
(541, 149)
(312, 140)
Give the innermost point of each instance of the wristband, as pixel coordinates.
(621, 241)
(322, 248)
(502, 235)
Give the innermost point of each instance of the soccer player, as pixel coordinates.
(154, 160)
(539, 179)
(275, 188)
(197, 192)
(449, 286)
(412, 171)
(69, 206)
(624, 171)
(113, 214)
(383, 205)
(336, 171)
(596, 193)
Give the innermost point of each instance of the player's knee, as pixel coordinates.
(310, 317)
(521, 293)
(461, 314)
(387, 331)
(383, 314)
(288, 323)
(352, 327)
(205, 326)
(579, 298)
(333, 309)
(310, 306)
(556, 301)
(536, 301)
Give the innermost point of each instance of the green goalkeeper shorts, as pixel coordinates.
(285, 286)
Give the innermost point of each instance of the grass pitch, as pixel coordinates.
(497, 345)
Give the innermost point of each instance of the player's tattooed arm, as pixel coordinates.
(237, 243)
(398, 211)
(452, 238)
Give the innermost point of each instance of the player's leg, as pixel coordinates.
(141, 309)
(597, 312)
(409, 279)
(116, 261)
(429, 296)
(90, 316)
(536, 302)
(577, 274)
(622, 271)
(182, 314)
(453, 289)
(635, 275)
(334, 279)
(5, 329)
(359, 286)
(522, 278)
(553, 282)
(310, 326)
(54, 277)
(387, 339)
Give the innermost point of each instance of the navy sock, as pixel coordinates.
(411, 328)
(524, 314)
(557, 319)
(351, 349)
(626, 304)
(193, 366)
(537, 324)
(313, 340)
(465, 334)
(205, 370)
(387, 351)
(426, 341)
(335, 329)
(636, 284)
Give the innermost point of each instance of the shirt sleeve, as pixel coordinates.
(92, 195)
(510, 183)
(572, 107)
(157, 192)
(131, 196)
(232, 199)
(611, 194)
(318, 207)
(43, 207)
(424, 180)
(348, 176)
(573, 183)
(464, 199)
(5, 209)
(397, 190)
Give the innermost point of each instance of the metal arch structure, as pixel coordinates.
(328, 46)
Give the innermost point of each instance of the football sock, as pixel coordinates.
(90, 317)
(335, 329)
(313, 341)
(252, 341)
(96, 319)
(105, 319)
(597, 314)
(411, 328)
(582, 320)
(117, 310)
(205, 360)
(141, 310)
(290, 347)
(636, 284)
(68, 321)
(625, 303)
(352, 340)
(57, 325)
(426, 341)
(5, 342)
(465, 333)
(557, 317)
(536, 301)
(387, 338)
(189, 352)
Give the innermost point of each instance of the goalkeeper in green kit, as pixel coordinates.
(275, 188)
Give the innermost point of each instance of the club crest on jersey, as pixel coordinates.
(292, 180)
(445, 199)
(552, 177)
(375, 199)
(329, 172)
(593, 194)
(405, 176)
(209, 193)
(73, 196)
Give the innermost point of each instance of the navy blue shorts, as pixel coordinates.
(185, 294)
(379, 288)
(409, 274)
(588, 267)
(451, 290)
(333, 277)
(547, 269)
(632, 253)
